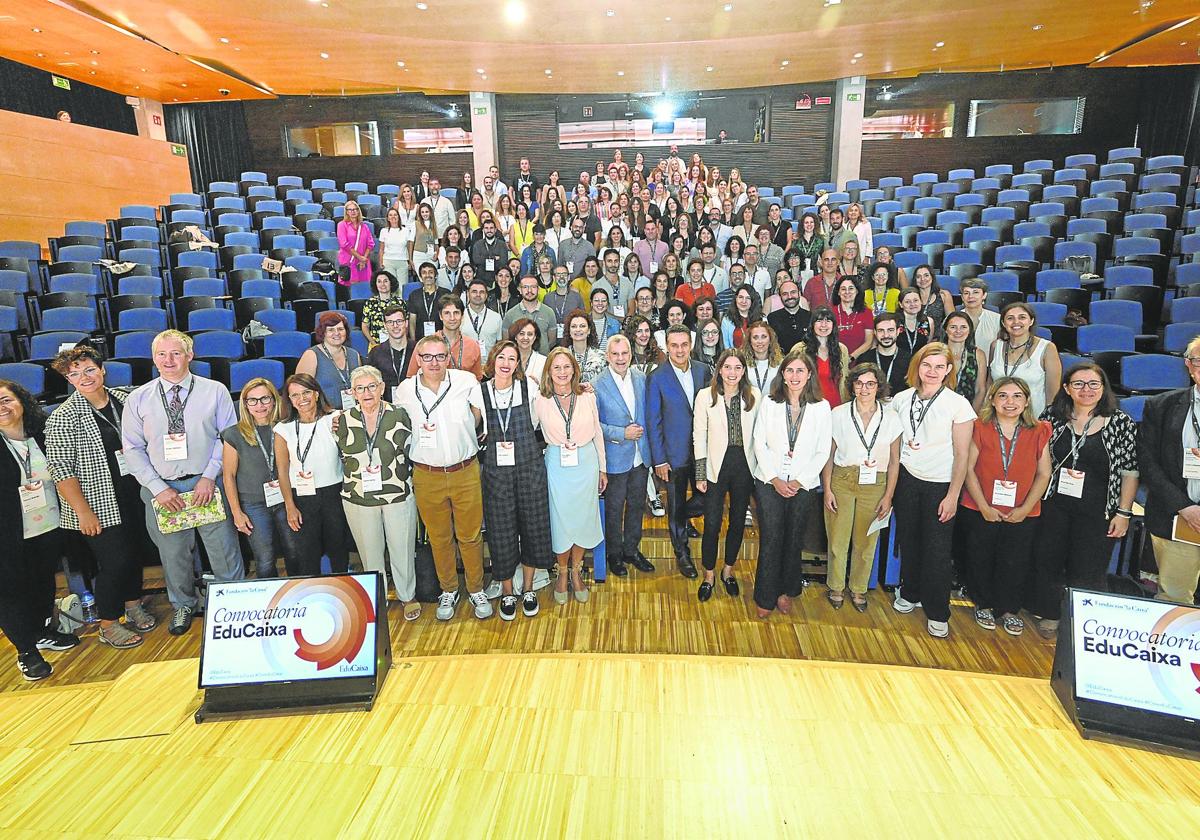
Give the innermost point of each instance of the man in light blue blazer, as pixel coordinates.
(621, 399)
(670, 393)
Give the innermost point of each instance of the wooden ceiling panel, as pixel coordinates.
(257, 48)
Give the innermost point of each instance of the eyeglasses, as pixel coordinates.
(369, 388)
(866, 385)
(433, 357)
(710, 333)
(1086, 386)
(1192, 360)
(76, 375)
(395, 322)
(253, 401)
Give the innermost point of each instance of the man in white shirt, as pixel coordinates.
(621, 402)
(481, 323)
(756, 275)
(987, 323)
(494, 174)
(713, 273)
(447, 413)
(721, 231)
(443, 208)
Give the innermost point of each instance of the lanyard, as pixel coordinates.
(342, 375)
(462, 346)
(879, 300)
(24, 459)
(918, 408)
(911, 335)
(1025, 351)
(793, 429)
(268, 452)
(476, 323)
(436, 403)
(1006, 454)
(372, 437)
(1077, 441)
(887, 374)
(116, 412)
(428, 304)
(559, 314)
(861, 435)
(504, 418)
(398, 367)
(173, 418)
(566, 415)
(304, 456)
(761, 380)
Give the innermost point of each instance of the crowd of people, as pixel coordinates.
(645, 332)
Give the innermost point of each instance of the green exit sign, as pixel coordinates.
(179, 150)
(60, 82)
(853, 97)
(481, 111)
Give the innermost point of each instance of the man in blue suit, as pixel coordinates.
(621, 398)
(670, 392)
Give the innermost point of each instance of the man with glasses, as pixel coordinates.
(446, 408)
(530, 307)
(721, 231)
(818, 291)
(392, 357)
(171, 431)
(1169, 464)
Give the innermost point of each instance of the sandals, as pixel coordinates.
(835, 599)
(140, 619)
(412, 610)
(117, 635)
(859, 602)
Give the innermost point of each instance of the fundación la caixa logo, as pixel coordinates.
(335, 610)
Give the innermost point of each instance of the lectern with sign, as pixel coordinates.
(294, 643)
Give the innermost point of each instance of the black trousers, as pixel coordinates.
(323, 531)
(1072, 549)
(624, 505)
(735, 481)
(782, 523)
(679, 507)
(27, 594)
(925, 566)
(998, 560)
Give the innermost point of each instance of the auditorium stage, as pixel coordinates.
(586, 745)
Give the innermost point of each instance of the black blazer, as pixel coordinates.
(12, 523)
(1160, 453)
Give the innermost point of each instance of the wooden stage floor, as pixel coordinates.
(586, 745)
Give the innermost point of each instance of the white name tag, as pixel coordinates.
(347, 400)
(122, 464)
(382, 337)
(785, 467)
(175, 447)
(489, 264)
(506, 453)
(396, 392)
(653, 266)
(272, 493)
(427, 435)
(428, 328)
(867, 474)
(1191, 464)
(1070, 483)
(1004, 493)
(570, 266)
(562, 330)
(429, 249)
(33, 497)
(568, 457)
(618, 311)
(304, 484)
(372, 478)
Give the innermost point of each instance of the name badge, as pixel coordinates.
(429, 249)
(568, 456)
(347, 400)
(175, 447)
(372, 478)
(914, 444)
(427, 435)
(122, 464)
(272, 493)
(1004, 493)
(33, 497)
(383, 336)
(1191, 463)
(396, 394)
(506, 453)
(562, 330)
(785, 467)
(304, 484)
(618, 311)
(653, 266)
(867, 473)
(489, 264)
(428, 328)
(1070, 483)
(570, 266)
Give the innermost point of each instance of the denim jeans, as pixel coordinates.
(264, 543)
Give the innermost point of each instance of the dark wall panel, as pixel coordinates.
(30, 90)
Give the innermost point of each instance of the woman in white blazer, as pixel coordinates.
(723, 439)
(793, 434)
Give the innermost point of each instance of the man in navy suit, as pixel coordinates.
(621, 398)
(670, 392)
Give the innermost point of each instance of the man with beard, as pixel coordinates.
(887, 353)
(791, 322)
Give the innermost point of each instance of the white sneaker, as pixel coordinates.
(902, 606)
(483, 609)
(938, 629)
(447, 603)
(656, 507)
(493, 590)
(749, 518)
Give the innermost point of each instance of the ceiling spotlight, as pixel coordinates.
(43, 55)
(549, 71)
(422, 6)
(183, 84)
(399, 63)
(708, 69)
(1038, 27)
(854, 61)
(940, 44)
(223, 40)
(858, 55)
(784, 63)
(94, 63)
(314, 1)
(829, 3)
(620, 72)
(91, 72)
(514, 11)
(667, 19)
(729, 7)
(324, 55)
(478, 69)
(35, 29)
(611, 12)
(95, 52)
(484, 77)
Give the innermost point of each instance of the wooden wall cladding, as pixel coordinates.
(266, 122)
(798, 151)
(53, 172)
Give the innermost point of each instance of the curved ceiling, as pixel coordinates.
(260, 48)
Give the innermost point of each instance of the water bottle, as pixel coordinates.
(88, 601)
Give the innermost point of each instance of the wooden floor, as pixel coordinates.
(644, 613)
(587, 745)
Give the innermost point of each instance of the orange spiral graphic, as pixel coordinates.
(347, 603)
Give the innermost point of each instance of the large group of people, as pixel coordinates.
(567, 345)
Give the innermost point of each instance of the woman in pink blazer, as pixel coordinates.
(356, 241)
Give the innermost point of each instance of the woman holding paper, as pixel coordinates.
(1008, 468)
(859, 480)
(311, 520)
(1089, 502)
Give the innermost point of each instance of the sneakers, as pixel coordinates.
(479, 600)
(181, 620)
(1047, 628)
(33, 666)
(749, 518)
(985, 619)
(529, 603)
(54, 640)
(508, 607)
(493, 590)
(656, 507)
(938, 629)
(1013, 626)
(902, 606)
(447, 603)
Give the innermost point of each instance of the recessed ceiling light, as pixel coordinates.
(35, 29)
(95, 52)
(708, 69)
(611, 12)
(223, 40)
(95, 63)
(854, 61)
(314, 1)
(478, 69)
(514, 11)
(940, 44)
(91, 72)
(549, 71)
(784, 63)
(484, 77)
(1183, 43)
(729, 7)
(43, 55)
(237, 49)
(183, 84)
(620, 72)
(667, 18)
(324, 55)
(399, 63)
(324, 5)
(422, 6)
(143, 69)
(858, 55)
(1038, 27)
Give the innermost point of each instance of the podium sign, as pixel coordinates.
(296, 642)
(1129, 668)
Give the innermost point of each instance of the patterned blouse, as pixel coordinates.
(75, 449)
(391, 443)
(372, 314)
(1119, 438)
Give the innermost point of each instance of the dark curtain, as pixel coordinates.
(28, 90)
(217, 140)
(1169, 122)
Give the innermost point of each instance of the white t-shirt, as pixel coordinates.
(850, 450)
(395, 243)
(323, 460)
(933, 457)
